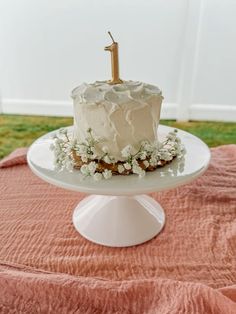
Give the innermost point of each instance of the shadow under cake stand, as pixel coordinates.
(118, 213)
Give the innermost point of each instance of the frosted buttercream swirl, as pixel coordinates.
(121, 93)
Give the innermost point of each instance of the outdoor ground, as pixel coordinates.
(17, 131)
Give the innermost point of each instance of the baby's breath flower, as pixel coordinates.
(134, 162)
(147, 147)
(107, 174)
(138, 170)
(84, 158)
(92, 166)
(127, 151)
(143, 155)
(127, 166)
(153, 162)
(107, 159)
(170, 136)
(121, 169)
(165, 155)
(146, 163)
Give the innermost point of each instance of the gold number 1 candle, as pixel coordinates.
(113, 48)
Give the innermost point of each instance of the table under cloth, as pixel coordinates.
(46, 266)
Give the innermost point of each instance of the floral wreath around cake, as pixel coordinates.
(70, 154)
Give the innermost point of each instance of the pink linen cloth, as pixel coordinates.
(47, 267)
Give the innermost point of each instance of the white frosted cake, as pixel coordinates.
(119, 115)
(115, 131)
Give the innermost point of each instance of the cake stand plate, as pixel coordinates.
(118, 214)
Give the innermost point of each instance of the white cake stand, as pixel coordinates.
(117, 213)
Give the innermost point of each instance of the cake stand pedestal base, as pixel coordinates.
(118, 221)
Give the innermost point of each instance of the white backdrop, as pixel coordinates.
(186, 47)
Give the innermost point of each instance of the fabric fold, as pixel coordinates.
(17, 157)
(41, 292)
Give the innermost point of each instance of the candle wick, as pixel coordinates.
(109, 33)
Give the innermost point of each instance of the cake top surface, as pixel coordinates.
(119, 93)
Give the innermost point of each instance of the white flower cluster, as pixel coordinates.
(150, 155)
(89, 170)
(62, 147)
(86, 150)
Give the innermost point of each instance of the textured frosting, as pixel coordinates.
(119, 115)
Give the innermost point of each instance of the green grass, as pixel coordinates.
(18, 131)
